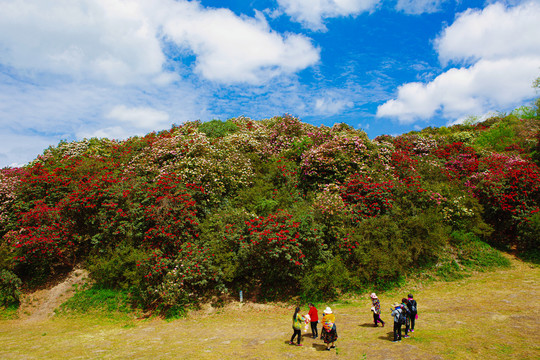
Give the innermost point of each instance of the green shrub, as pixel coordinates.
(326, 281)
(529, 234)
(498, 136)
(117, 268)
(10, 286)
(218, 128)
(376, 252)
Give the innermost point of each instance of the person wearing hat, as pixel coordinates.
(329, 331)
(396, 313)
(376, 308)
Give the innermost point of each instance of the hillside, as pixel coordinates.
(276, 208)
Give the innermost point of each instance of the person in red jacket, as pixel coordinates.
(314, 319)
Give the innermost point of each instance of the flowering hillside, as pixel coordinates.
(274, 207)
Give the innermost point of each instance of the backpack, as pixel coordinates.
(412, 303)
(328, 325)
(402, 316)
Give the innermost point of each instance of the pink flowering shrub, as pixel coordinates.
(333, 160)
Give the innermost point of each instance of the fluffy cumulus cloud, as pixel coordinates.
(311, 13)
(231, 49)
(496, 56)
(419, 6)
(121, 41)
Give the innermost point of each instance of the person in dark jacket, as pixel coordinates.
(405, 307)
(413, 307)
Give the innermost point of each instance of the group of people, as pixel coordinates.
(328, 331)
(404, 313)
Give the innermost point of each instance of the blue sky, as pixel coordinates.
(74, 69)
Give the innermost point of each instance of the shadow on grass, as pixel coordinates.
(366, 325)
(389, 336)
(319, 347)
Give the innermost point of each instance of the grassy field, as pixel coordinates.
(492, 315)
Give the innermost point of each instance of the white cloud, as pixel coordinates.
(108, 40)
(311, 13)
(494, 33)
(416, 7)
(330, 105)
(140, 117)
(500, 76)
(120, 41)
(236, 49)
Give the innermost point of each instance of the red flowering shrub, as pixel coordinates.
(403, 163)
(44, 239)
(170, 214)
(367, 198)
(461, 161)
(276, 248)
(509, 190)
(182, 278)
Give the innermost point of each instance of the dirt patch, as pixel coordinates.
(40, 305)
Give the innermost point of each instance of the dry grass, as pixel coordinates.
(490, 315)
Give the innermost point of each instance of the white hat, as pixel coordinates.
(327, 310)
(373, 296)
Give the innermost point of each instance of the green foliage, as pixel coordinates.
(117, 268)
(218, 128)
(499, 136)
(325, 282)
(380, 253)
(529, 238)
(10, 286)
(475, 254)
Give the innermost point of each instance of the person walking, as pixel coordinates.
(329, 330)
(413, 307)
(297, 325)
(314, 320)
(376, 308)
(396, 314)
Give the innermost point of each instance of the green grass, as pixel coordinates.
(99, 302)
(484, 316)
(8, 312)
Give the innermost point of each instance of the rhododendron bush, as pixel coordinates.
(204, 209)
(276, 248)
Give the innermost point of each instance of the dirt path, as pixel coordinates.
(490, 315)
(41, 304)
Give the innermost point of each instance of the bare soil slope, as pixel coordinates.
(40, 305)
